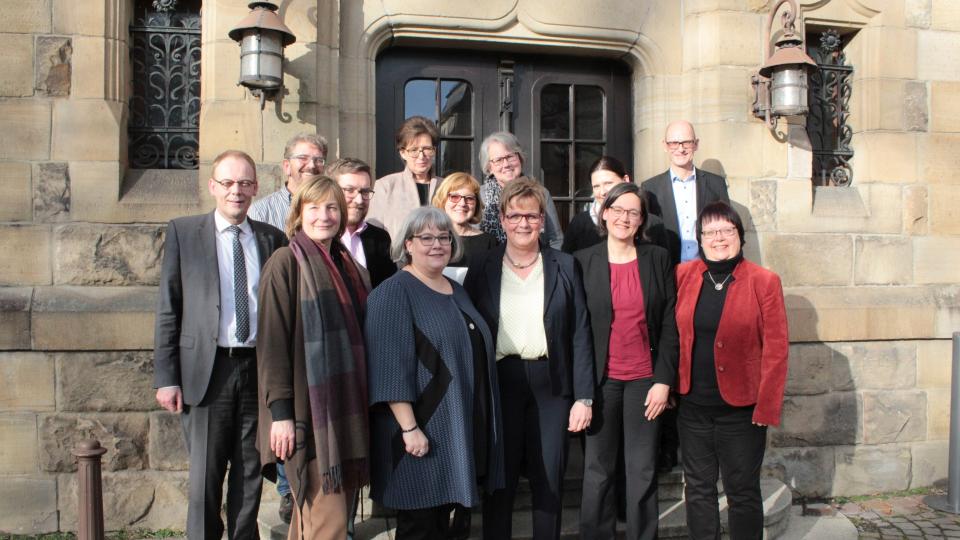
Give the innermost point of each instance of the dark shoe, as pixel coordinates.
(286, 508)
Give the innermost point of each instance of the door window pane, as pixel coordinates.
(456, 102)
(555, 111)
(454, 156)
(588, 104)
(420, 99)
(555, 168)
(585, 154)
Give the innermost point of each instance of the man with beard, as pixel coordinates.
(369, 244)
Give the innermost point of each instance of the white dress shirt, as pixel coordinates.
(227, 335)
(354, 243)
(685, 195)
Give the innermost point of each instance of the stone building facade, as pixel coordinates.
(870, 270)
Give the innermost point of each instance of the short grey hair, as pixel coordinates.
(305, 137)
(507, 139)
(418, 220)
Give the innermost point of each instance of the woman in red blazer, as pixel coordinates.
(733, 366)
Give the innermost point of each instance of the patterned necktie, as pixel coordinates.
(240, 287)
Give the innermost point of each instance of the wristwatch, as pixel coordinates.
(585, 401)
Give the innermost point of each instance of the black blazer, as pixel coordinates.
(376, 248)
(659, 299)
(581, 233)
(661, 203)
(565, 317)
(188, 308)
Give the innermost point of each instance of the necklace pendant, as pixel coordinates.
(718, 286)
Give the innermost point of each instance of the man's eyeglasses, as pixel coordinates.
(532, 219)
(228, 183)
(673, 145)
(303, 158)
(428, 151)
(726, 232)
(504, 159)
(351, 192)
(429, 240)
(617, 212)
(469, 200)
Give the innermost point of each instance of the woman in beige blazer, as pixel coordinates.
(398, 193)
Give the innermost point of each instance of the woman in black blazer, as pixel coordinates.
(631, 299)
(532, 299)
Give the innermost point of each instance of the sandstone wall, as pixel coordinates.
(869, 271)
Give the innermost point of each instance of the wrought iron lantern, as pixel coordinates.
(780, 86)
(262, 37)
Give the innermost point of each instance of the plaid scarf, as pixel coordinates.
(336, 364)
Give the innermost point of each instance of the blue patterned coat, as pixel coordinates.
(419, 351)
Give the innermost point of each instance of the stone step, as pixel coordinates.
(776, 508)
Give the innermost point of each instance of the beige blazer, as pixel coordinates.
(395, 195)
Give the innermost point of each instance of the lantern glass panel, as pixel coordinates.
(788, 90)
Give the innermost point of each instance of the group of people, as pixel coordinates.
(437, 339)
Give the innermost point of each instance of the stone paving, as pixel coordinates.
(901, 517)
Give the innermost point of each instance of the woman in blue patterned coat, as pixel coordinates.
(435, 416)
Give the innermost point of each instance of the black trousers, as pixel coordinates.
(424, 523)
(619, 417)
(722, 440)
(535, 444)
(221, 430)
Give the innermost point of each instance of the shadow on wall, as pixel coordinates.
(820, 411)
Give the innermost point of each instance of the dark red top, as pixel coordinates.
(629, 357)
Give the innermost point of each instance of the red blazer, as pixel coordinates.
(751, 348)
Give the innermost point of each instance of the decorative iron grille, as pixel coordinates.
(827, 126)
(165, 106)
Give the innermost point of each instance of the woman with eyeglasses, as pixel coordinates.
(399, 193)
(436, 432)
(631, 302)
(732, 371)
(502, 159)
(459, 197)
(532, 298)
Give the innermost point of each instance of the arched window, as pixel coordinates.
(165, 104)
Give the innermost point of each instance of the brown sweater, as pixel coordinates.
(281, 365)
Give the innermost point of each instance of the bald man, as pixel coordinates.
(678, 195)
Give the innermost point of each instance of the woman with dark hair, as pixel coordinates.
(532, 298)
(435, 404)
(631, 302)
(311, 364)
(584, 229)
(399, 193)
(733, 367)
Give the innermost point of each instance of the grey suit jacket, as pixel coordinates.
(188, 308)
(665, 230)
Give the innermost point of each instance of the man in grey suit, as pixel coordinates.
(204, 353)
(674, 200)
(677, 195)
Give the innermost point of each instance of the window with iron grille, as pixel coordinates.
(829, 98)
(163, 126)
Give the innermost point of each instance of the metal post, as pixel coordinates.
(89, 490)
(951, 503)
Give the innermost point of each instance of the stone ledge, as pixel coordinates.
(93, 318)
(871, 313)
(15, 317)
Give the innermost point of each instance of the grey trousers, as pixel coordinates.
(222, 430)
